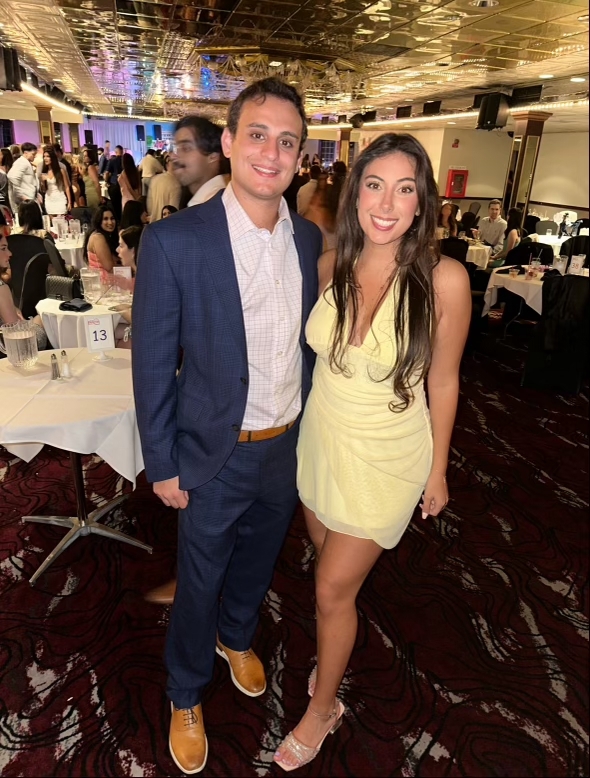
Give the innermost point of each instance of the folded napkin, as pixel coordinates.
(77, 304)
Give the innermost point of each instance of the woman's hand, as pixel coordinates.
(436, 495)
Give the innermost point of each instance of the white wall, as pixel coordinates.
(432, 141)
(484, 154)
(561, 175)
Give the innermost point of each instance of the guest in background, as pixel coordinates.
(447, 221)
(149, 167)
(305, 164)
(102, 240)
(168, 210)
(134, 215)
(111, 176)
(78, 186)
(9, 313)
(15, 150)
(63, 159)
(339, 171)
(491, 228)
(165, 189)
(5, 165)
(30, 220)
(23, 183)
(322, 210)
(55, 184)
(307, 191)
(467, 223)
(104, 158)
(198, 161)
(316, 160)
(129, 180)
(512, 235)
(89, 172)
(127, 250)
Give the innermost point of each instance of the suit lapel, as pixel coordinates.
(308, 269)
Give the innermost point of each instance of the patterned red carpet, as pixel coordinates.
(472, 652)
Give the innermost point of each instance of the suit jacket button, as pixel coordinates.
(244, 381)
(235, 427)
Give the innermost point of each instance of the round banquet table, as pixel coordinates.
(66, 329)
(550, 240)
(72, 251)
(531, 291)
(479, 254)
(92, 412)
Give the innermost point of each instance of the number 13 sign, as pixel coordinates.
(99, 334)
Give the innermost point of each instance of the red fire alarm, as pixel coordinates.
(456, 183)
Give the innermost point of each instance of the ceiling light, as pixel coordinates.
(275, 64)
(583, 18)
(44, 98)
(22, 101)
(484, 3)
(451, 122)
(578, 79)
(546, 75)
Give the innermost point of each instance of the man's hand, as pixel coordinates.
(170, 493)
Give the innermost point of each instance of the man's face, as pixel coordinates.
(29, 155)
(107, 149)
(264, 152)
(119, 152)
(494, 212)
(190, 165)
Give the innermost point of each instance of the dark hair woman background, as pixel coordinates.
(55, 184)
(134, 215)
(5, 165)
(129, 180)
(446, 220)
(100, 246)
(512, 235)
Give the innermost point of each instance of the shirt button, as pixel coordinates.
(278, 283)
(280, 354)
(244, 381)
(235, 427)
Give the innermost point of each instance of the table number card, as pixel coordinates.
(99, 334)
(125, 272)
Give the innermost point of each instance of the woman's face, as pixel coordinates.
(165, 213)
(388, 199)
(5, 253)
(108, 221)
(145, 218)
(85, 157)
(446, 211)
(47, 159)
(126, 255)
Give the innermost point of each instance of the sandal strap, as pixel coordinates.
(324, 716)
(302, 753)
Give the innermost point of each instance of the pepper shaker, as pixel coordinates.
(54, 368)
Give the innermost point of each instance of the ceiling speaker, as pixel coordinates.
(403, 112)
(493, 111)
(431, 109)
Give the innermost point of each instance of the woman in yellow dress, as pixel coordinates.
(392, 314)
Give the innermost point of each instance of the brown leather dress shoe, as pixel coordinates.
(246, 670)
(162, 595)
(188, 742)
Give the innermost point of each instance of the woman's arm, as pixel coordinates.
(98, 245)
(92, 172)
(8, 312)
(67, 190)
(498, 259)
(453, 311)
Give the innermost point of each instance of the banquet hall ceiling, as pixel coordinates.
(171, 56)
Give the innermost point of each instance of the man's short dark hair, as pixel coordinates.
(57, 148)
(100, 148)
(339, 168)
(315, 172)
(206, 133)
(107, 141)
(28, 147)
(494, 202)
(119, 147)
(151, 152)
(258, 92)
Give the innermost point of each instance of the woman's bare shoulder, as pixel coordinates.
(450, 274)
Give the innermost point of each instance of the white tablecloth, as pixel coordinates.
(551, 240)
(531, 291)
(66, 329)
(479, 255)
(91, 413)
(72, 251)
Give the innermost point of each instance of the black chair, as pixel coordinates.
(547, 224)
(468, 222)
(558, 351)
(581, 224)
(474, 208)
(57, 262)
(22, 248)
(455, 248)
(572, 247)
(525, 251)
(33, 285)
(83, 215)
(530, 223)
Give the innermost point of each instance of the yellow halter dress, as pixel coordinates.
(361, 468)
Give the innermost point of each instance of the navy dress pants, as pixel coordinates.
(229, 538)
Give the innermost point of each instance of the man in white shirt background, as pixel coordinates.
(307, 191)
(198, 161)
(22, 177)
(149, 167)
(163, 190)
(491, 228)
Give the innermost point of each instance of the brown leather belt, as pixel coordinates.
(254, 436)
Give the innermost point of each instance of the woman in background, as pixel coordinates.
(512, 235)
(168, 210)
(127, 251)
(447, 221)
(89, 172)
(129, 180)
(15, 150)
(55, 184)
(9, 313)
(102, 241)
(323, 208)
(134, 215)
(5, 165)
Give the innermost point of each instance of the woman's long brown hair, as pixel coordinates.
(415, 260)
(54, 166)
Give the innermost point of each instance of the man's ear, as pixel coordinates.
(226, 142)
(213, 158)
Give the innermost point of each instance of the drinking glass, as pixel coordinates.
(91, 285)
(75, 228)
(560, 263)
(513, 272)
(19, 343)
(549, 232)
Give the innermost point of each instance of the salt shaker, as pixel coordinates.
(65, 366)
(54, 368)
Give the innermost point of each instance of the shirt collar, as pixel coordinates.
(239, 220)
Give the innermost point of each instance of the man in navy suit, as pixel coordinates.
(231, 282)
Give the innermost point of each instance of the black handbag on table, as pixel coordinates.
(62, 288)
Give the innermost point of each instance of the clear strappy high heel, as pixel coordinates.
(298, 751)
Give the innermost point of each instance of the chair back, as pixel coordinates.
(59, 266)
(84, 215)
(558, 351)
(548, 224)
(468, 222)
(455, 248)
(572, 247)
(530, 223)
(474, 208)
(527, 250)
(22, 248)
(33, 285)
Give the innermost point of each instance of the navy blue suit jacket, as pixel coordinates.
(187, 295)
